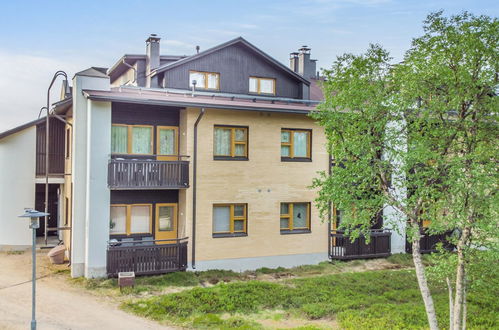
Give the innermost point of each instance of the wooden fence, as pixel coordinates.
(147, 174)
(343, 248)
(147, 257)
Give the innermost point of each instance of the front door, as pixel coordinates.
(166, 222)
(167, 143)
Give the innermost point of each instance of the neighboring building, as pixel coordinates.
(185, 162)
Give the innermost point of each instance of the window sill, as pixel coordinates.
(230, 158)
(225, 235)
(297, 231)
(299, 160)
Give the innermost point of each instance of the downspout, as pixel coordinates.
(194, 186)
(329, 247)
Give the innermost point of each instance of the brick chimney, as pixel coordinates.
(306, 66)
(152, 59)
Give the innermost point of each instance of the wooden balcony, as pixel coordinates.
(428, 243)
(343, 248)
(147, 174)
(147, 257)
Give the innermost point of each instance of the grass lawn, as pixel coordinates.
(348, 295)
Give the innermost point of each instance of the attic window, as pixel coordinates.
(262, 85)
(204, 80)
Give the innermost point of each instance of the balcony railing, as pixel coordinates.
(148, 174)
(147, 257)
(343, 248)
(428, 243)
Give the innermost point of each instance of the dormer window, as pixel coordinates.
(204, 80)
(259, 85)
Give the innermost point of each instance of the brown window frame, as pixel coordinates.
(289, 216)
(232, 219)
(128, 223)
(290, 144)
(129, 140)
(258, 88)
(205, 73)
(233, 143)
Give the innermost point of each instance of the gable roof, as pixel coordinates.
(21, 127)
(239, 40)
(93, 72)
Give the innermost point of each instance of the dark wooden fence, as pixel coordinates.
(428, 243)
(148, 174)
(343, 248)
(147, 257)
(56, 147)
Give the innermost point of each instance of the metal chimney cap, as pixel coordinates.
(31, 213)
(153, 37)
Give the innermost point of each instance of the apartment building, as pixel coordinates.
(165, 163)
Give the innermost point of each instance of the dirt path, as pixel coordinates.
(59, 305)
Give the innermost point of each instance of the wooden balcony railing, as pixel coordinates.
(428, 243)
(148, 174)
(147, 257)
(343, 248)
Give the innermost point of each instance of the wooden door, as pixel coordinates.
(167, 143)
(166, 222)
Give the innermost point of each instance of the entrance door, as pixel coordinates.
(166, 222)
(167, 143)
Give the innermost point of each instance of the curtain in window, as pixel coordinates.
(117, 223)
(222, 142)
(199, 77)
(300, 215)
(285, 138)
(141, 140)
(119, 138)
(140, 219)
(221, 219)
(267, 86)
(166, 218)
(166, 141)
(300, 144)
(253, 85)
(213, 80)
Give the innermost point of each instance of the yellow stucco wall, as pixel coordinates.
(263, 182)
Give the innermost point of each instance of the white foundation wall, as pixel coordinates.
(17, 187)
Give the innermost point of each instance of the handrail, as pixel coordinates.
(177, 240)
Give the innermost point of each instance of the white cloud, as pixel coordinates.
(23, 85)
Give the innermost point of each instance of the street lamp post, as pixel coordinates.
(34, 224)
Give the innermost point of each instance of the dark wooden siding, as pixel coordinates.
(56, 147)
(235, 64)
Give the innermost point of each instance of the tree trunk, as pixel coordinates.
(460, 280)
(451, 305)
(464, 309)
(423, 284)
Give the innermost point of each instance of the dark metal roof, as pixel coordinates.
(157, 97)
(239, 40)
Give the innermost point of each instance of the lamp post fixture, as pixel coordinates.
(34, 224)
(47, 143)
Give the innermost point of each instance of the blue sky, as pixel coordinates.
(40, 37)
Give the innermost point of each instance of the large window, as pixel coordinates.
(230, 142)
(167, 144)
(230, 220)
(204, 80)
(295, 218)
(131, 139)
(259, 85)
(296, 144)
(130, 219)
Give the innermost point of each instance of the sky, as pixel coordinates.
(38, 38)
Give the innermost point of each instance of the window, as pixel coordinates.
(204, 80)
(295, 144)
(130, 219)
(230, 220)
(230, 142)
(167, 144)
(295, 218)
(262, 85)
(131, 139)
